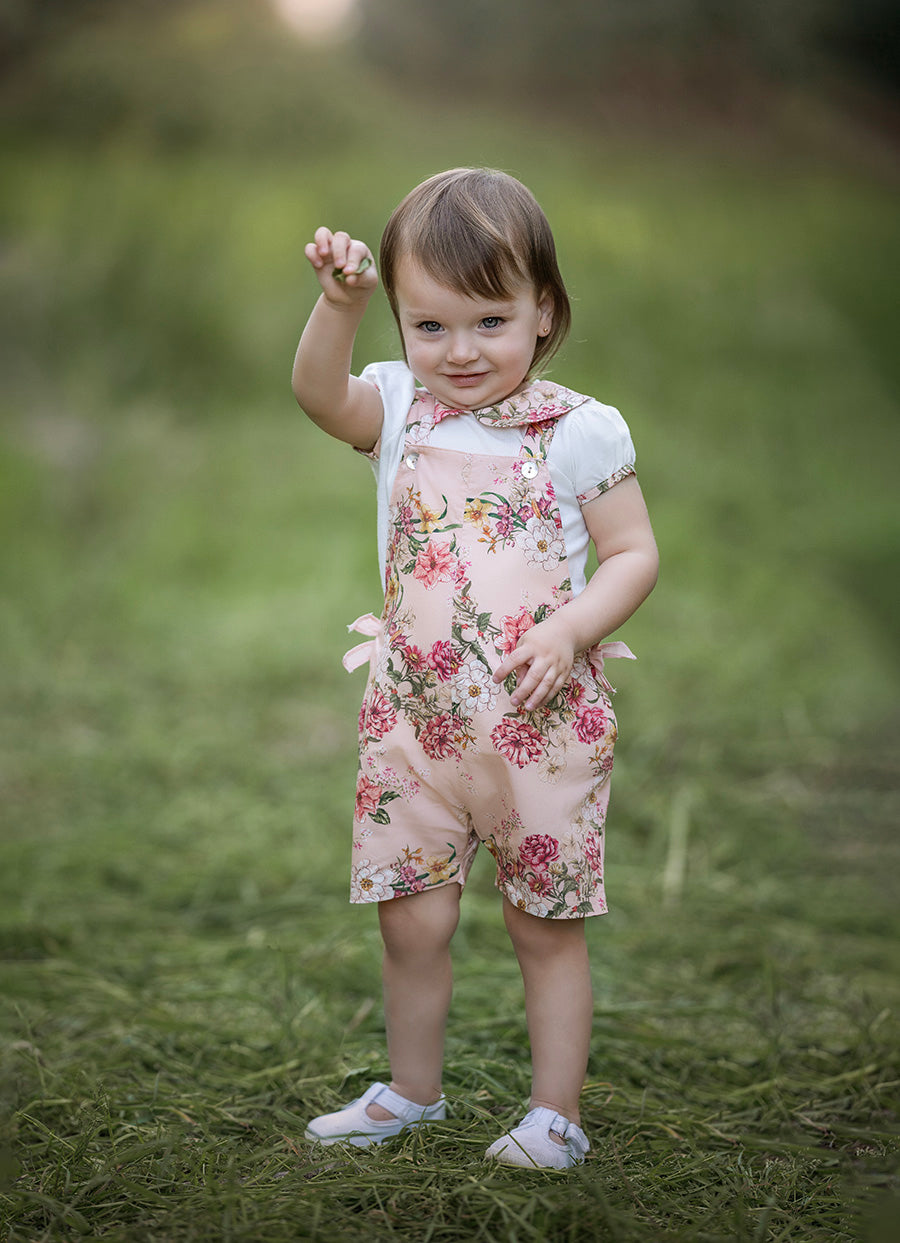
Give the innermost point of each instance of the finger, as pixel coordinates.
(530, 684)
(324, 239)
(340, 247)
(352, 271)
(510, 663)
(547, 690)
(311, 251)
(542, 681)
(357, 253)
(528, 679)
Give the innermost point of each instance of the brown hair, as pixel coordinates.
(482, 233)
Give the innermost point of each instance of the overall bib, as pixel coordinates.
(476, 556)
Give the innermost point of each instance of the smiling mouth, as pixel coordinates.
(466, 378)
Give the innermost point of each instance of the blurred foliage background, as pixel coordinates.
(182, 551)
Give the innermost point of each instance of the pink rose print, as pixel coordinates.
(512, 629)
(591, 725)
(382, 717)
(437, 738)
(518, 741)
(443, 660)
(368, 793)
(435, 564)
(539, 849)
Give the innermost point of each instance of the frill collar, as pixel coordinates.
(538, 402)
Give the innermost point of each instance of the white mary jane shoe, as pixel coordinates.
(532, 1146)
(352, 1125)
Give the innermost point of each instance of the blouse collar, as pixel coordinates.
(538, 402)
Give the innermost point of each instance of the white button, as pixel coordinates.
(411, 459)
(529, 469)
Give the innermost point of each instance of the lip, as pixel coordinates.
(466, 379)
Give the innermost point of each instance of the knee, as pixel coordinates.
(534, 937)
(422, 924)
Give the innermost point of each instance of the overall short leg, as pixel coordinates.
(559, 1005)
(418, 982)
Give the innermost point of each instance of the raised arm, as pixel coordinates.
(342, 405)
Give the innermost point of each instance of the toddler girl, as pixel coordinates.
(486, 716)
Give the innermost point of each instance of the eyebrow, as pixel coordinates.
(486, 309)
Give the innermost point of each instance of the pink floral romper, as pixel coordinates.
(475, 557)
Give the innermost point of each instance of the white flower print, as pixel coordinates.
(475, 686)
(551, 767)
(532, 906)
(543, 544)
(369, 884)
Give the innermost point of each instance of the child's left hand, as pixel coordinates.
(542, 662)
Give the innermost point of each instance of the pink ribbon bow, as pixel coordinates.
(367, 624)
(617, 650)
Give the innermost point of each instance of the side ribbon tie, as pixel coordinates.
(617, 650)
(371, 625)
(367, 624)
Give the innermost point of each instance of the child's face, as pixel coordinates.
(468, 352)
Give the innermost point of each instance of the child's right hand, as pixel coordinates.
(339, 252)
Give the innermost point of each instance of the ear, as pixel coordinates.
(546, 309)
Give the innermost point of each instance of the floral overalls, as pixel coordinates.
(476, 556)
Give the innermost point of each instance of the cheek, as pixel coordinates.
(422, 351)
(519, 353)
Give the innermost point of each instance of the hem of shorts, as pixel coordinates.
(451, 880)
(512, 897)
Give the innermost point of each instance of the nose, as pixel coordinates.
(461, 348)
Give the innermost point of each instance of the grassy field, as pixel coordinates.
(182, 980)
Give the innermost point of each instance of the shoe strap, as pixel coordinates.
(561, 1126)
(399, 1106)
(571, 1133)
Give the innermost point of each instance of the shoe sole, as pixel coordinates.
(362, 1139)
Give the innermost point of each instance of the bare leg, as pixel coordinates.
(559, 1005)
(418, 981)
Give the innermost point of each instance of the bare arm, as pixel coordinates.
(619, 525)
(342, 405)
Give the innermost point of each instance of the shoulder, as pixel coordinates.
(591, 416)
(592, 446)
(592, 426)
(397, 387)
(391, 379)
(394, 382)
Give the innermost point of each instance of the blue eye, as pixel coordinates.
(429, 325)
(491, 321)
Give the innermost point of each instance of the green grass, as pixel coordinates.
(182, 980)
